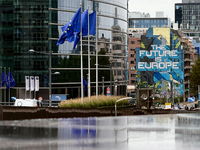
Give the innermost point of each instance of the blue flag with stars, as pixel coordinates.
(70, 28)
(76, 39)
(92, 21)
(84, 18)
(85, 83)
(3, 79)
(10, 82)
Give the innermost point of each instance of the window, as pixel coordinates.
(132, 42)
(132, 75)
(116, 47)
(132, 48)
(139, 41)
(132, 62)
(132, 68)
(117, 38)
(132, 55)
(132, 81)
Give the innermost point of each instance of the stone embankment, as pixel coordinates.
(21, 113)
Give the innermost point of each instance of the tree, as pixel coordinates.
(195, 78)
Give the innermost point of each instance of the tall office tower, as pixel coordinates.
(142, 20)
(36, 25)
(187, 15)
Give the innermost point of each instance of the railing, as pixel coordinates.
(188, 67)
(187, 59)
(7, 103)
(118, 101)
(186, 74)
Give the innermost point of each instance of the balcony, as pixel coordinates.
(187, 52)
(183, 40)
(188, 67)
(187, 59)
(186, 74)
(192, 63)
(186, 82)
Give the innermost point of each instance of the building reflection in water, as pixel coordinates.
(172, 132)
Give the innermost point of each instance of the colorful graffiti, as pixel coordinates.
(160, 60)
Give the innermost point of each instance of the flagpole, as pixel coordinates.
(25, 88)
(88, 54)
(9, 86)
(1, 86)
(30, 85)
(5, 84)
(96, 58)
(34, 87)
(81, 60)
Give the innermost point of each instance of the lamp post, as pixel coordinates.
(31, 50)
(102, 85)
(110, 66)
(116, 81)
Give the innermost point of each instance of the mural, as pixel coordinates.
(160, 61)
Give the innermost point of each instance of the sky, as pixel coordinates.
(151, 6)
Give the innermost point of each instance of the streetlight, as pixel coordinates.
(153, 97)
(116, 81)
(56, 73)
(31, 50)
(110, 66)
(103, 86)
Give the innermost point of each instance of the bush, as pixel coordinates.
(102, 101)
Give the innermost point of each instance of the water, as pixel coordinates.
(170, 132)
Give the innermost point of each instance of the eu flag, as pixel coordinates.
(3, 79)
(76, 39)
(85, 83)
(10, 82)
(74, 26)
(70, 28)
(62, 38)
(92, 21)
(85, 23)
(84, 18)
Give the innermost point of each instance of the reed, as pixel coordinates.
(101, 101)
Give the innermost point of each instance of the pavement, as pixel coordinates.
(189, 104)
(182, 105)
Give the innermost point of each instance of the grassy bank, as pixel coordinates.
(101, 101)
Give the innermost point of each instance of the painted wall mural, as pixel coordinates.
(160, 61)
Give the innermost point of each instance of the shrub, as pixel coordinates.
(101, 101)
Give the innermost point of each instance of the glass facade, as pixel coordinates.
(36, 25)
(187, 15)
(148, 23)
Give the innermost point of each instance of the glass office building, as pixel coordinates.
(187, 15)
(148, 22)
(36, 25)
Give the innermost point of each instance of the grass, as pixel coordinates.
(101, 101)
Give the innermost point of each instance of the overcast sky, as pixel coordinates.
(151, 6)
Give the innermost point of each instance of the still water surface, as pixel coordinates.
(152, 132)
